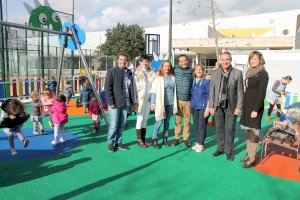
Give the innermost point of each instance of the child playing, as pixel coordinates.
(36, 108)
(85, 92)
(94, 111)
(12, 117)
(47, 100)
(59, 117)
(68, 91)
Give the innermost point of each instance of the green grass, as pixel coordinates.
(89, 171)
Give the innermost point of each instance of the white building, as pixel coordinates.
(274, 34)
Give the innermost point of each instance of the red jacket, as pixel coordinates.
(94, 108)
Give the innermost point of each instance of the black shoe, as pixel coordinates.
(122, 146)
(175, 142)
(230, 156)
(155, 144)
(165, 142)
(25, 143)
(111, 148)
(248, 164)
(187, 144)
(218, 152)
(245, 159)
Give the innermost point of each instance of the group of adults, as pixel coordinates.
(181, 91)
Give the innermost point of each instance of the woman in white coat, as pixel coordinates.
(144, 75)
(163, 101)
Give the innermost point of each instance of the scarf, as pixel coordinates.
(251, 72)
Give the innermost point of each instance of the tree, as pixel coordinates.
(123, 38)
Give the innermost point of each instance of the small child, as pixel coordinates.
(12, 118)
(94, 111)
(47, 100)
(68, 91)
(85, 92)
(52, 84)
(59, 117)
(36, 108)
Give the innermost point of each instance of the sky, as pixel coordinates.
(99, 15)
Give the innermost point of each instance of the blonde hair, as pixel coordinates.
(34, 95)
(48, 92)
(201, 66)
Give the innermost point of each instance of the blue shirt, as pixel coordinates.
(169, 89)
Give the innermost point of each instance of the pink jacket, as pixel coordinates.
(47, 102)
(59, 112)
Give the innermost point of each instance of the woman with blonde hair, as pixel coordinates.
(199, 105)
(253, 107)
(163, 101)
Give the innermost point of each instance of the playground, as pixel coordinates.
(83, 168)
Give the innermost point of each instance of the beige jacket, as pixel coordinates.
(158, 89)
(142, 84)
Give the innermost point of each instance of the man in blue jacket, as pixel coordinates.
(183, 79)
(120, 96)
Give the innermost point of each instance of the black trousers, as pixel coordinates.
(225, 129)
(278, 106)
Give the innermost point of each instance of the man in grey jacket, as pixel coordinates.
(225, 102)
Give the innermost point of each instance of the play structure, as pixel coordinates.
(45, 20)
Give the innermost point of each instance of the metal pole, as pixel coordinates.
(170, 30)
(72, 52)
(26, 27)
(214, 27)
(2, 46)
(26, 54)
(88, 73)
(42, 55)
(7, 53)
(61, 63)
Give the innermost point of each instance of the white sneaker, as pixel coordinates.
(62, 140)
(13, 151)
(199, 149)
(195, 146)
(54, 142)
(35, 133)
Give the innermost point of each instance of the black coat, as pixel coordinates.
(114, 87)
(21, 117)
(254, 99)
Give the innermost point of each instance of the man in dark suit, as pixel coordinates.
(225, 102)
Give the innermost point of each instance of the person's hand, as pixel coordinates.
(135, 107)
(152, 106)
(212, 111)
(112, 106)
(12, 117)
(254, 114)
(237, 111)
(206, 113)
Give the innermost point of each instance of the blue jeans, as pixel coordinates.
(200, 126)
(117, 123)
(169, 112)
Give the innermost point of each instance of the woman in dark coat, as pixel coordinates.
(253, 107)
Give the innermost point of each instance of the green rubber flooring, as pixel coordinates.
(89, 171)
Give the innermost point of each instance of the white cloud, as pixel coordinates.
(93, 15)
